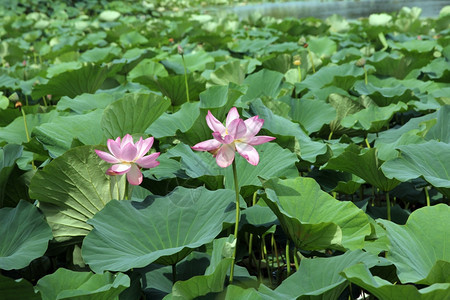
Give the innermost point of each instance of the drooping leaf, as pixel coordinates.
(230, 72)
(24, 235)
(57, 135)
(86, 102)
(312, 218)
(67, 284)
(72, 189)
(364, 164)
(321, 276)
(419, 249)
(360, 275)
(134, 113)
(172, 226)
(440, 130)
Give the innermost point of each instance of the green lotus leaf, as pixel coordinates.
(321, 276)
(109, 15)
(195, 61)
(263, 83)
(67, 284)
(57, 135)
(428, 160)
(101, 55)
(360, 275)
(15, 133)
(343, 76)
(174, 87)
(168, 124)
(172, 226)
(17, 289)
(132, 38)
(8, 156)
(440, 130)
(334, 181)
(72, 189)
(134, 113)
(230, 72)
(322, 46)
(86, 102)
(419, 248)
(87, 79)
(146, 70)
(24, 235)
(373, 118)
(277, 62)
(344, 106)
(309, 149)
(274, 161)
(258, 219)
(415, 45)
(312, 218)
(311, 114)
(214, 278)
(4, 102)
(396, 64)
(385, 94)
(363, 164)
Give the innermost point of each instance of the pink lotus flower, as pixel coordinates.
(128, 157)
(237, 135)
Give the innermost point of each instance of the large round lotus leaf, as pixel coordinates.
(132, 114)
(312, 218)
(420, 249)
(67, 284)
(429, 160)
(18, 289)
(87, 79)
(72, 189)
(24, 235)
(320, 276)
(382, 289)
(365, 165)
(129, 234)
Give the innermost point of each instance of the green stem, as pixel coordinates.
(367, 143)
(288, 259)
(365, 75)
(45, 101)
(126, 191)
(27, 132)
(185, 78)
(250, 243)
(174, 273)
(331, 134)
(236, 227)
(295, 259)
(312, 62)
(299, 74)
(388, 203)
(427, 195)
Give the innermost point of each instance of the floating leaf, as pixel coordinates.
(312, 218)
(24, 235)
(172, 226)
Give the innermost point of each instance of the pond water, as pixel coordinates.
(347, 9)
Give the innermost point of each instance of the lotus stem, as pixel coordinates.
(263, 241)
(388, 203)
(26, 131)
(185, 78)
(331, 134)
(174, 273)
(367, 143)
(236, 226)
(311, 59)
(365, 75)
(296, 259)
(299, 74)
(45, 101)
(250, 243)
(288, 260)
(427, 195)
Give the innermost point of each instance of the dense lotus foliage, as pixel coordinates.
(103, 196)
